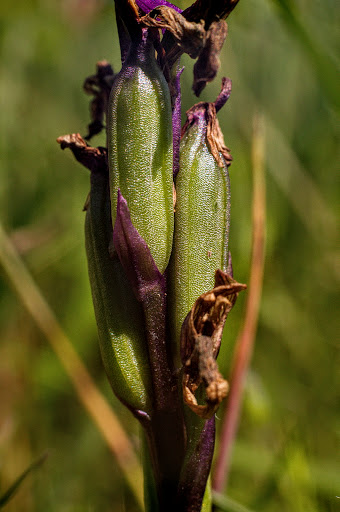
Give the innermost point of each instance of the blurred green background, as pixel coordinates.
(281, 57)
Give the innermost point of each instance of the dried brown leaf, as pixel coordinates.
(99, 86)
(94, 159)
(209, 10)
(189, 36)
(208, 62)
(215, 137)
(200, 342)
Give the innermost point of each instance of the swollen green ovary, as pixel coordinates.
(199, 225)
(141, 161)
(122, 343)
(130, 371)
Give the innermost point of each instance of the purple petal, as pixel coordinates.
(134, 253)
(177, 121)
(148, 5)
(224, 93)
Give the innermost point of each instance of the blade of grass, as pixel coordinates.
(86, 390)
(226, 504)
(5, 498)
(245, 341)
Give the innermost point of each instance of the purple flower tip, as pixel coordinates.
(148, 5)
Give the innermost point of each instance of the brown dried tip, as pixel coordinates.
(208, 62)
(99, 86)
(201, 337)
(189, 36)
(213, 13)
(214, 133)
(94, 159)
(209, 10)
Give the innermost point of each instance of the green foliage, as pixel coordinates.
(284, 457)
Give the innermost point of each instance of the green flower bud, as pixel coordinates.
(118, 313)
(140, 149)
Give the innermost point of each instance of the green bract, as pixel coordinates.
(119, 316)
(140, 149)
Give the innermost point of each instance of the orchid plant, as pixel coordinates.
(157, 235)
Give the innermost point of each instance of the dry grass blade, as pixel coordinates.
(246, 338)
(87, 392)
